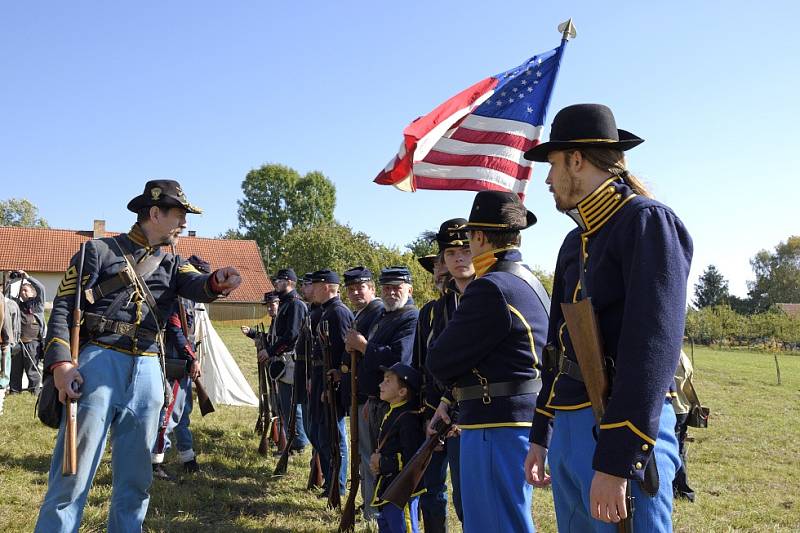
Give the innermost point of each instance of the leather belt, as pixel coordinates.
(492, 390)
(97, 324)
(316, 363)
(570, 368)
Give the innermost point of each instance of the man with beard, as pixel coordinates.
(360, 289)
(334, 322)
(390, 340)
(631, 255)
(489, 354)
(118, 382)
(284, 332)
(456, 259)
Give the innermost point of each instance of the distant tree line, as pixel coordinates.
(757, 320)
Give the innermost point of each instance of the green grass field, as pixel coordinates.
(744, 467)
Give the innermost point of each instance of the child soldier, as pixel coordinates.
(399, 438)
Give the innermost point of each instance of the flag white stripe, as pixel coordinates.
(502, 125)
(426, 143)
(474, 173)
(450, 146)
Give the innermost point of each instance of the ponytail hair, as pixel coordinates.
(613, 161)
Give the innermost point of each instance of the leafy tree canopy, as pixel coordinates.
(20, 212)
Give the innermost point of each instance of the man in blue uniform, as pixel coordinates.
(118, 382)
(489, 353)
(334, 322)
(456, 260)
(631, 255)
(285, 331)
(390, 340)
(360, 288)
(181, 354)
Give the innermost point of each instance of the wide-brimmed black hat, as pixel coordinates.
(428, 262)
(164, 193)
(582, 126)
(451, 235)
(488, 213)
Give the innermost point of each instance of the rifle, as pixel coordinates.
(283, 462)
(259, 428)
(162, 430)
(334, 498)
(69, 466)
(348, 520)
(265, 414)
(315, 477)
(587, 343)
(278, 433)
(402, 487)
(203, 400)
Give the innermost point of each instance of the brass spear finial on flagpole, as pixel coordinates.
(567, 30)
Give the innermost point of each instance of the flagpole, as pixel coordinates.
(567, 30)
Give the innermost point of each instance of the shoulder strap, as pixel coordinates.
(123, 279)
(525, 275)
(148, 296)
(394, 423)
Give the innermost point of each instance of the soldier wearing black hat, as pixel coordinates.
(335, 319)
(456, 260)
(284, 332)
(489, 354)
(118, 382)
(390, 340)
(360, 288)
(631, 255)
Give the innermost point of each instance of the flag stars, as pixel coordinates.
(503, 93)
(535, 82)
(514, 89)
(529, 110)
(499, 103)
(524, 82)
(530, 89)
(538, 73)
(510, 100)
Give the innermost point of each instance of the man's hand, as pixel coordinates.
(336, 374)
(607, 497)
(227, 279)
(64, 376)
(245, 329)
(22, 273)
(534, 466)
(194, 370)
(375, 463)
(355, 341)
(263, 356)
(442, 413)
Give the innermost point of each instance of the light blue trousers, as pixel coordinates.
(121, 393)
(494, 493)
(570, 457)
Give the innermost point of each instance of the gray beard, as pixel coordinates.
(394, 306)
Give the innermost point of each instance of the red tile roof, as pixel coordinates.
(49, 250)
(792, 310)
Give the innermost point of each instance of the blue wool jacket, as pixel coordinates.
(362, 322)
(339, 319)
(637, 255)
(390, 340)
(104, 260)
(291, 313)
(498, 332)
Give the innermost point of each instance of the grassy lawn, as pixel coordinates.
(744, 467)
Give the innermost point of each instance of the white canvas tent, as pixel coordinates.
(221, 376)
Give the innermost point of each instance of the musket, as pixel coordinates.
(203, 400)
(348, 520)
(587, 343)
(402, 487)
(334, 498)
(278, 435)
(283, 462)
(260, 420)
(315, 476)
(267, 420)
(69, 466)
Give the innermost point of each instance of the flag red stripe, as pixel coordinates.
(500, 164)
(459, 184)
(421, 126)
(493, 137)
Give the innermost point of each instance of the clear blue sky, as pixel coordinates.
(97, 97)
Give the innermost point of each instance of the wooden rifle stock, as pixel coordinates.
(315, 477)
(259, 428)
(69, 464)
(402, 487)
(334, 498)
(348, 520)
(584, 333)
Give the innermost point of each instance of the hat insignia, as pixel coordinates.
(155, 192)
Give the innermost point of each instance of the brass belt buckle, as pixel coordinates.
(486, 399)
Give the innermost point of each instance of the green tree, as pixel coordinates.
(20, 212)
(777, 275)
(339, 247)
(230, 234)
(711, 289)
(424, 245)
(277, 199)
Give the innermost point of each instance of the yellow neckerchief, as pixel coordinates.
(137, 236)
(486, 260)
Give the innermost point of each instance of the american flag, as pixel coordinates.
(476, 140)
